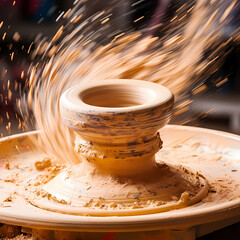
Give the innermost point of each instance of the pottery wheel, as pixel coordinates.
(121, 172)
(220, 153)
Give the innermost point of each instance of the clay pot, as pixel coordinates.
(118, 122)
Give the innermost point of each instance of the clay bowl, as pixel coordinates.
(118, 120)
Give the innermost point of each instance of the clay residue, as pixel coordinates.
(99, 191)
(184, 155)
(45, 163)
(48, 170)
(222, 186)
(175, 186)
(7, 165)
(29, 168)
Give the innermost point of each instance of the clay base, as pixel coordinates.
(83, 190)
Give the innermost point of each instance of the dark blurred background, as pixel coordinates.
(22, 22)
(25, 20)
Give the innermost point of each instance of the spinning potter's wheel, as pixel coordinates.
(204, 161)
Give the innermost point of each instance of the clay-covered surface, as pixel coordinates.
(213, 154)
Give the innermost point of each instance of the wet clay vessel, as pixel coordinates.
(117, 122)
